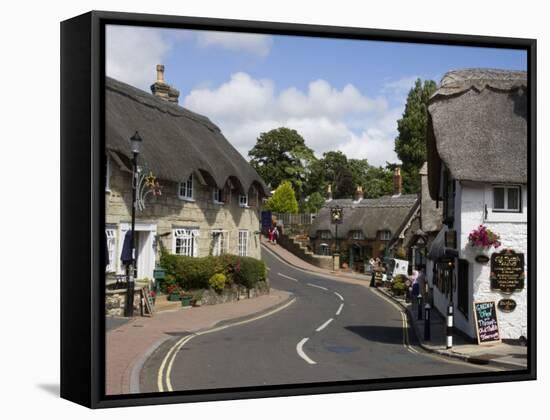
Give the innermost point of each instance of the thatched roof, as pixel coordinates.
(369, 215)
(176, 141)
(477, 127)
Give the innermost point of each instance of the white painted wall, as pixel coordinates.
(512, 229)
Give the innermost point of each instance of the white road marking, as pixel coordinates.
(322, 327)
(339, 295)
(171, 355)
(339, 309)
(301, 351)
(317, 286)
(287, 277)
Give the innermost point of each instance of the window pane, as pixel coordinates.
(513, 198)
(498, 198)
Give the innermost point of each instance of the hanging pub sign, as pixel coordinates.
(506, 305)
(507, 271)
(336, 215)
(486, 323)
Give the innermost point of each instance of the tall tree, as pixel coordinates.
(281, 154)
(359, 169)
(283, 199)
(410, 144)
(379, 182)
(313, 203)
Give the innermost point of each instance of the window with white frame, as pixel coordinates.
(185, 189)
(243, 200)
(185, 242)
(217, 195)
(110, 234)
(220, 241)
(243, 243)
(325, 234)
(357, 235)
(384, 235)
(506, 199)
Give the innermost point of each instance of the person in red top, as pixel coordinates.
(270, 234)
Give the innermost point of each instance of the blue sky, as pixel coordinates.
(339, 94)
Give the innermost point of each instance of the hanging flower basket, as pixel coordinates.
(483, 239)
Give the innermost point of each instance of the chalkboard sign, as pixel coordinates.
(486, 323)
(507, 271)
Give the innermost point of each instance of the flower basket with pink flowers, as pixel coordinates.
(482, 237)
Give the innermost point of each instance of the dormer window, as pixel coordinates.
(384, 235)
(357, 235)
(185, 189)
(325, 234)
(243, 200)
(217, 196)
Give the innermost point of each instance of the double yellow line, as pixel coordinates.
(165, 369)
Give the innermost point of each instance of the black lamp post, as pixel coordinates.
(336, 215)
(135, 141)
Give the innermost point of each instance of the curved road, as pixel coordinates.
(332, 331)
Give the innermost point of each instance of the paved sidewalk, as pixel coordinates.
(128, 345)
(504, 355)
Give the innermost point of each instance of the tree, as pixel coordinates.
(344, 184)
(410, 144)
(313, 203)
(281, 154)
(379, 182)
(283, 199)
(359, 169)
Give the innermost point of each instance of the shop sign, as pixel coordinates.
(486, 323)
(506, 305)
(482, 259)
(507, 271)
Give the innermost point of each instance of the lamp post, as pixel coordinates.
(135, 141)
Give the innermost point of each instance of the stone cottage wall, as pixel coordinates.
(168, 212)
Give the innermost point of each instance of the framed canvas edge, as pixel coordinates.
(95, 331)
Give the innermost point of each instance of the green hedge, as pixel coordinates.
(194, 273)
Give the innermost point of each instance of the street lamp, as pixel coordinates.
(135, 142)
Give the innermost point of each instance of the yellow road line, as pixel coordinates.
(168, 360)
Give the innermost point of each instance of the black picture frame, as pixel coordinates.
(83, 203)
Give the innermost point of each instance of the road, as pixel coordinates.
(332, 331)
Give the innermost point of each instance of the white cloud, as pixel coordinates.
(327, 117)
(133, 53)
(256, 44)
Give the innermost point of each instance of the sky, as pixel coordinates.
(338, 94)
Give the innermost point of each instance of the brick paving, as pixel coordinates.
(127, 344)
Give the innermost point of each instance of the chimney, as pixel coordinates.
(359, 193)
(397, 181)
(163, 90)
(329, 193)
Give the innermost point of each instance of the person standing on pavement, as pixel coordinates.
(275, 234)
(270, 234)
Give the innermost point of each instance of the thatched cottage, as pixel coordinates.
(210, 198)
(477, 169)
(367, 227)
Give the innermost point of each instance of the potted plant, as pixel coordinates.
(483, 239)
(173, 291)
(186, 299)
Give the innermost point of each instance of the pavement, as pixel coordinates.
(504, 355)
(130, 344)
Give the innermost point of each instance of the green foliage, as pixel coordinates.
(398, 287)
(283, 199)
(217, 282)
(249, 271)
(401, 253)
(313, 203)
(281, 154)
(192, 273)
(378, 182)
(410, 144)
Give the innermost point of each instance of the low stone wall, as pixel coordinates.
(211, 297)
(115, 301)
(321, 261)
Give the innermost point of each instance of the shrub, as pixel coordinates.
(398, 286)
(217, 282)
(195, 273)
